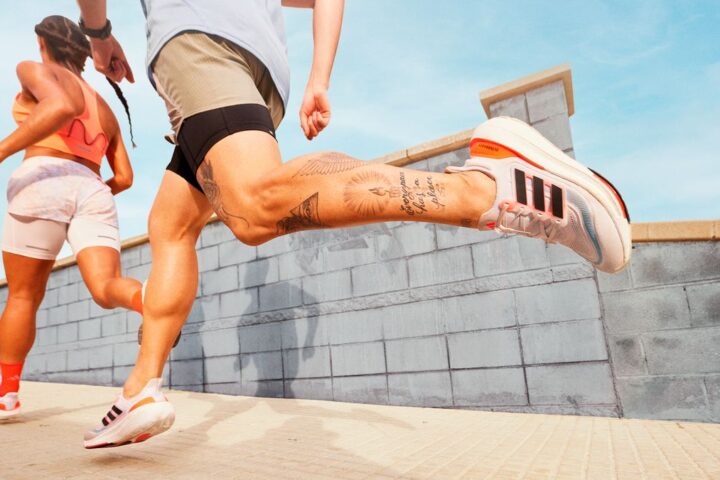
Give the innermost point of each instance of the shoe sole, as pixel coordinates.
(9, 414)
(532, 147)
(138, 426)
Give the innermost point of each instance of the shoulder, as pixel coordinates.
(28, 68)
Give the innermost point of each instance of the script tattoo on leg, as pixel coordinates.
(303, 217)
(214, 195)
(368, 193)
(418, 196)
(329, 164)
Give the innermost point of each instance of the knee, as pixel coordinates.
(256, 221)
(97, 292)
(29, 298)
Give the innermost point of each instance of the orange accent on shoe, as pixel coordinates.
(136, 302)
(142, 438)
(144, 401)
(482, 147)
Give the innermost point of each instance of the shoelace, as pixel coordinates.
(546, 226)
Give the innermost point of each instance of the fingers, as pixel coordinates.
(304, 124)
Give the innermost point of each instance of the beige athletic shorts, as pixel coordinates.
(196, 72)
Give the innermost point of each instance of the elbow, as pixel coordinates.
(64, 112)
(124, 182)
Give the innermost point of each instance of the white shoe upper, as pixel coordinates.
(10, 404)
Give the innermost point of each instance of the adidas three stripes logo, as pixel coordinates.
(538, 193)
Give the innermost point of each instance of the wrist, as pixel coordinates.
(97, 30)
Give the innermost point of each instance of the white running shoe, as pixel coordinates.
(9, 405)
(545, 194)
(133, 420)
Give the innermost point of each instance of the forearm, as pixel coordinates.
(43, 122)
(93, 12)
(327, 23)
(118, 185)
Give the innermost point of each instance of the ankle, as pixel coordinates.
(478, 194)
(136, 382)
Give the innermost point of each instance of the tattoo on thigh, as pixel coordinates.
(368, 193)
(213, 194)
(329, 164)
(303, 217)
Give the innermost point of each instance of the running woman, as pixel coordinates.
(222, 69)
(57, 194)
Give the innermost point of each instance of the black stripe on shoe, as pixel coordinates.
(539, 194)
(556, 200)
(520, 190)
(111, 416)
(105, 422)
(116, 410)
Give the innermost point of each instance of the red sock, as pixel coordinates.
(137, 303)
(10, 378)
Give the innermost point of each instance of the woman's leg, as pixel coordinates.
(100, 269)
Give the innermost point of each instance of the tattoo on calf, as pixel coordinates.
(368, 193)
(417, 196)
(213, 194)
(329, 164)
(303, 217)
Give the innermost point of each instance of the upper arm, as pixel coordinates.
(42, 84)
(299, 3)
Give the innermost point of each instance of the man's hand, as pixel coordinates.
(110, 60)
(314, 111)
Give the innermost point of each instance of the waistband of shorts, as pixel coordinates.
(71, 165)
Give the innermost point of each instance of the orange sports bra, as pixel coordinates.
(82, 136)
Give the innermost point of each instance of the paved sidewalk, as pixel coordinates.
(220, 437)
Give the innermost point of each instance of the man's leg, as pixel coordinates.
(260, 198)
(176, 220)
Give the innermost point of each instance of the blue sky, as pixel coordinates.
(646, 78)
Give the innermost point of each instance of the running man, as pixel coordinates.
(222, 69)
(56, 194)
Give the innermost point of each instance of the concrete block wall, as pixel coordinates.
(421, 314)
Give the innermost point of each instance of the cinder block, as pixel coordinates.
(557, 130)
(546, 101)
(379, 277)
(140, 272)
(704, 303)
(34, 365)
(449, 236)
(58, 278)
(412, 319)
(366, 389)
(578, 384)
(129, 258)
(41, 317)
(208, 259)
(646, 310)
(215, 233)
(259, 272)
(133, 321)
(613, 282)
(689, 351)
(100, 357)
(491, 348)
(506, 255)
(300, 263)
(663, 398)
(456, 157)
(234, 252)
(79, 311)
(205, 308)
(515, 107)
(576, 341)
(83, 292)
(279, 295)
(307, 362)
(188, 348)
(349, 253)
(304, 332)
(327, 287)
(57, 315)
(276, 246)
(68, 333)
(479, 311)
(191, 388)
(489, 387)
(431, 389)
(56, 362)
(356, 326)
(562, 255)
(268, 389)
(222, 369)
(145, 253)
(51, 297)
(261, 338)
(218, 281)
(627, 355)
(443, 266)
(125, 354)
(416, 354)
(98, 376)
(68, 294)
(557, 302)
(239, 302)
(672, 263)
(358, 359)
(218, 343)
(408, 239)
(261, 366)
(114, 324)
(712, 385)
(315, 389)
(47, 336)
(119, 375)
(187, 372)
(78, 359)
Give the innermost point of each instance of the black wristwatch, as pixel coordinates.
(101, 33)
